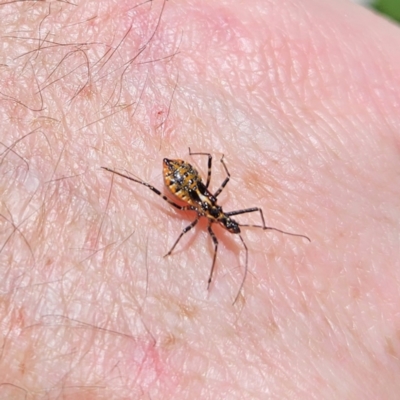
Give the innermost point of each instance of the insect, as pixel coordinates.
(185, 183)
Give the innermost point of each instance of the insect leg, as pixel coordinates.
(156, 191)
(263, 226)
(247, 210)
(209, 164)
(188, 228)
(215, 241)
(224, 183)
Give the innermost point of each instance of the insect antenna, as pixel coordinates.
(263, 226)
(277, 230)
(245, 270)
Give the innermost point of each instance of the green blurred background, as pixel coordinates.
(391, 8)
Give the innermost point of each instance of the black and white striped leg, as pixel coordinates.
(187, 229)
(215, 241)
(208, 166)
(225, 182)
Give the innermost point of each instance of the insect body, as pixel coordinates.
(184, 182)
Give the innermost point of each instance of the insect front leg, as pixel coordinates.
(248, 210)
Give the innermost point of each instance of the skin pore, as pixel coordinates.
(302, 100)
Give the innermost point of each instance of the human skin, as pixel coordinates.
(303, 101)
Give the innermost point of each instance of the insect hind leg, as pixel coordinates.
(226, 180)
(151, 187)
(187, 229)
(209, 165)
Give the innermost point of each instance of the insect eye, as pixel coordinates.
(232, 226)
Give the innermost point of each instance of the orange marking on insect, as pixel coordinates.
(185, 183)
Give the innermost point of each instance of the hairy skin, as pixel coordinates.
(304, 103)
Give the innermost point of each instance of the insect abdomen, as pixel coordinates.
(181, 179)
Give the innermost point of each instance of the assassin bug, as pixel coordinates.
(184, 182)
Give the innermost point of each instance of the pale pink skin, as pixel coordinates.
(304, 102)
